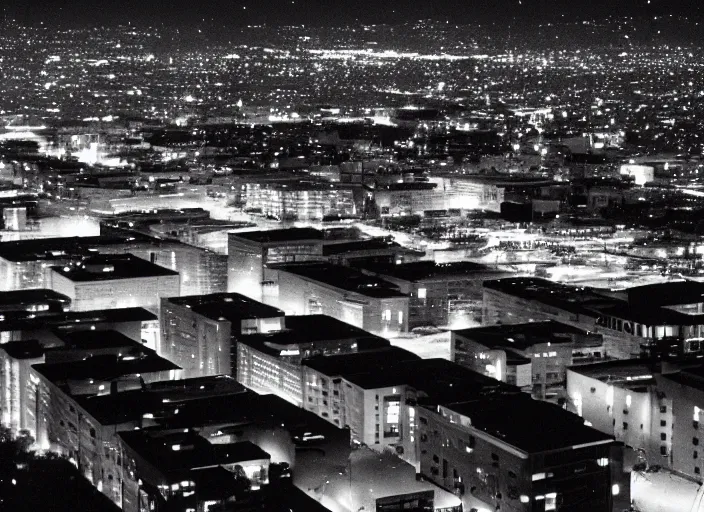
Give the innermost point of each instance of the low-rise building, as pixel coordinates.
(24, 263)
(440, 294)
(300, 200)
(135, 323)
(375, 394)
(199, 333)
(110, 282)
(513, 453)
(188, 469)
(249, 252)
(533, 356)
(619, 398)
(343, 293)
(271, 362)
(661, 320)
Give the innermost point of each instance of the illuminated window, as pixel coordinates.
(387, 315)
(400, 317)
(551, 501)
(422, 293)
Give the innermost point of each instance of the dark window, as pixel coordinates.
(444, 468)
(695, 425)
(695, 455)
(436, 459)
(625, 412)
(696, 470)
(663, 450)
(663, 409)
(92, 432)
(494, 456)
(625, 426)
(511, 474)
(663, 437)
(695, 441)
(663, 423)
(471, 441)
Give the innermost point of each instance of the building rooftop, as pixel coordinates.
(525, 335)
(344, 278)
(173, 453)
(91, 340)
(667, 294)
(22, 300)
(360, 363)
(104, 368)
(628, 373)
(280, 235)
(267, 411)
(232, 307)
(112, 267)
(692, 377)
(437, 379)
(71, 319)
(302, 330)
(25, 349)
(352, 246)
(552, 427)
(429, 270)
(52, 249)
(593, 302)
(420, 185)
(159, 400)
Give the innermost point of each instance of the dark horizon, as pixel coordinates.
(178, 13)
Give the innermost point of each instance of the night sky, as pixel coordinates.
(274, 12)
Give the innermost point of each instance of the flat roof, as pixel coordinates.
(668, 294)
(280, 235)
(157, 448)
(122, 266)
(32, 296)
(591, 301)
(692, 377)
(429, 270)
(25, 349)
(64, 247)
(71, 319)
(306, 329)
(89, 339)
(232, 307)
(438, 378)
(544, 426)
(344, 278)
(238, 409)
(628, 373)
(420, 185)
(360, 362)
(372, 244)
(104, 367)
(525, 335)
(160, 399)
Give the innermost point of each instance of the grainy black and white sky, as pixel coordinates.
(329, 12)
